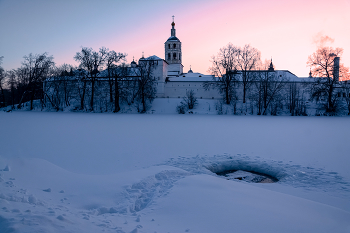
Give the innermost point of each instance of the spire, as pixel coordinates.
(271, 66)
(173, 32)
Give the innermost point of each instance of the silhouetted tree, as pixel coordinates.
(59, 87)
(81, 77)
(248, 59)
(12, 85)
(35, 69)
(269, 87)
(146, 82)
(326, 77)
(190, 99)
(122, 85)
(224, 69)
(91, 61)
(114, 74)
(346, 88)
(295, 99)
(188, 102)
(2, 81)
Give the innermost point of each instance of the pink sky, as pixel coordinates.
(283, 30)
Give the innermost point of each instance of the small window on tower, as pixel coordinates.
(174, 46)
(174, 55)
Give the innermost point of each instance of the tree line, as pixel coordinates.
(240, 75)
(102, 81)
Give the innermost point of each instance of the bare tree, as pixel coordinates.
(59, 87)
(35, 69)
(81, 76)
(248, 59)
(190, 99)
(2, 81)
(268, 91)
(112, 60)
(115, 73)
(91, 61)
(295, 99)
(146, 82)
(322, 64)
(346, 88)
(122, 85)
(224, 69)
(12, 85)
(188, 102)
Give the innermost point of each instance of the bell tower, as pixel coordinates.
(173, 53)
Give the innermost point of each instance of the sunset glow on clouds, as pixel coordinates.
(283, 30)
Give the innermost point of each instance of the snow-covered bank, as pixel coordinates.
(80, 172)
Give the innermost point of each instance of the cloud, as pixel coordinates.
(321, 40)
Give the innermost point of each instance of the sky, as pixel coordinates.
(286, 31)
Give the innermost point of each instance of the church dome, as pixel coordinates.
(133, 64)
(173, 38)
(190, 71)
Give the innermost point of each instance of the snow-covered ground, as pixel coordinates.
(86, 172)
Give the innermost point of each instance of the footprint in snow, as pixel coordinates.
(6, 169)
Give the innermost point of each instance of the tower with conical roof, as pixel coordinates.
(173, 54)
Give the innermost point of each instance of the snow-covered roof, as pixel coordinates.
(154, 57)
(198, 77)
(192, 77)
(173, 38)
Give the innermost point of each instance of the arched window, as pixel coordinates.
(169, 56)
(174, 46)
(174, 55)
(179, 56)
(169, 46)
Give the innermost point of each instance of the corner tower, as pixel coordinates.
(173, 54)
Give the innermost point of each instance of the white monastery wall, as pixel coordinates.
(178, 89)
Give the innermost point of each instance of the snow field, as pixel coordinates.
(80, 172)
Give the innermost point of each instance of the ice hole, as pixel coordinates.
(248, 172)
(248, 176)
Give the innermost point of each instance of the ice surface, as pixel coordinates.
(156, 173)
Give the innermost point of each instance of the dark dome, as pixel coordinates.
(173, 38)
